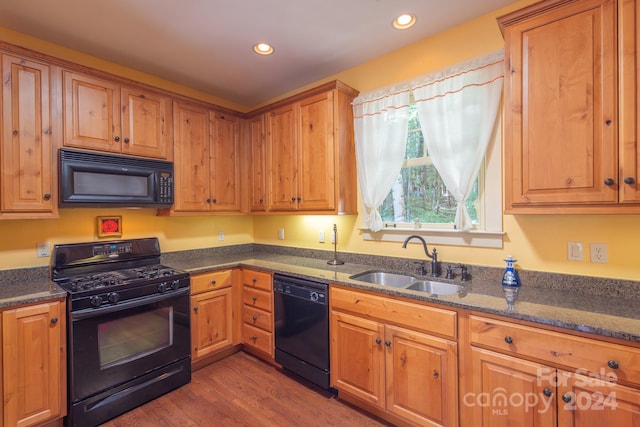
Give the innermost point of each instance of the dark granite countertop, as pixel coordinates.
(26, 292)
(579, 310)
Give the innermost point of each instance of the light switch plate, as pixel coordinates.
(575, 251)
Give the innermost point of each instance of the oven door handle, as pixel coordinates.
(94, 312)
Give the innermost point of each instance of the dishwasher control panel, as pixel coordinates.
(310, 291)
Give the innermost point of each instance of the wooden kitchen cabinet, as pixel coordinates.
(103, 115)
(399, 368)
(540, 378)
(212, 314)
(257, 313)
(206, 161)
(27, 179)
(310, 154)
(257, 168)
(34, 364)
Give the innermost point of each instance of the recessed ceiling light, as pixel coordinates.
(263, 49)
(403, 22)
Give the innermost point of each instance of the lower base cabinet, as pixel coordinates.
(34, 364)
(409, 374)
(257, 313)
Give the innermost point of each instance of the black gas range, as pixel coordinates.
(129, 334)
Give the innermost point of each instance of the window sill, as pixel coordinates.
(471, 238)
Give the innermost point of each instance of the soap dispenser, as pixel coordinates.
(510, 283)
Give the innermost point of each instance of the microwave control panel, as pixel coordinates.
(166, 187)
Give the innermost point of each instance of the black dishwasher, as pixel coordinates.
(301, 311)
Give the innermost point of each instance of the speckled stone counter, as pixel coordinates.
(25, 286)
(576, 305)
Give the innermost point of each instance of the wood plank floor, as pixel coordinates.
(244, 391)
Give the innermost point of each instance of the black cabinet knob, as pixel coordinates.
(214, 200)
(547, 392)
(629, 180)
(255, 317)
(47, 196)
(196, 309)
(15, 133)
(613, 364)
(116, 139)
(378, 340)
(387, 343)
(254, 338)
(54, 320)
(436, 374)
(293, 199)
(213, 282)
(609, 181)
(254, 298)
(508, 339)
(126, 140)
(567, 398)
(208, 200)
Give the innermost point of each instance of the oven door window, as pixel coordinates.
(129, 338)
(114, 346)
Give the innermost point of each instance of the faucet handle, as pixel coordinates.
(421, 268)
(449, 272)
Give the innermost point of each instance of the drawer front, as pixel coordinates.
(609, 361)
(256, 298)
(211, 281)
(257, 279)
(416, 316)
(258, 318)
(257, 338)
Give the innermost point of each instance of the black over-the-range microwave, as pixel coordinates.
(88, 179)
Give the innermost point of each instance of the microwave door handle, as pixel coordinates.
(94, 312)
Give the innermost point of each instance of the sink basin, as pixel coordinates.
(394, 280)
(437, 288)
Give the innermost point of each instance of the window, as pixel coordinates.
(419, 197)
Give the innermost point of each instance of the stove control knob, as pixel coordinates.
(313, 296)
(175, 285)
(96, 300)
(162, 287)
(113, 297)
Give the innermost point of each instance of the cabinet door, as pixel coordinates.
(225, 163)
(508, 391)
(91, 113)
(26, 148)
(191, 158)
(596, 401)
(628, 24)
(146, 124)
(211, 322)
(357, 357)
(282, 159)
(316, 170)
(33, 364)
(560, 106)
(422, 377)
(257, 166)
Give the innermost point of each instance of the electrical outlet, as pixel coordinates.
(221, 235)
(281, 234)
(43, 249)
(599, 253)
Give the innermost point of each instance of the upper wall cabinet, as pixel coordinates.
(206, 161)
(257, 165)
(103, 115)
(27, 178)
(310, 156)
(570, 147)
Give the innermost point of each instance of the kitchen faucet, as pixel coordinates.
(435, 268)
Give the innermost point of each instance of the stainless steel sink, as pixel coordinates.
(393, 280)
(437, 288)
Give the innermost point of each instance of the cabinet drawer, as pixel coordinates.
(256, 317)
(420, 317)
(257, 338)
(256, 298)
(578, 353)
(210, 281)
(257, 279)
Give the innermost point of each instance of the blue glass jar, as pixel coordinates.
(510, 283)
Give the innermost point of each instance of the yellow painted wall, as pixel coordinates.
(539, 242)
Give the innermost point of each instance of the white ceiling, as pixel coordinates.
(207, 44)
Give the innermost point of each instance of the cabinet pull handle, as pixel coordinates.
(254, 280)
(126, 140)
(260, 200)
(613, 364)
(15, 133)
(254, 298)
(547, 392)
(208, 200)
(567, 398)
(117, 138)
(508, 339)
(213, 282)
(608, 122)
(54, 320)
(609, 182)
(254, 338)
(214, 200)
(293, 199)
(255, 317)
(629, 180)
(47, 196)
(378, 340)
(436, 375)
(298, 198)
(387, 343)
(195, 309)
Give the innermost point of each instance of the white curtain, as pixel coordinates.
(381, 121)
(457, 109)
